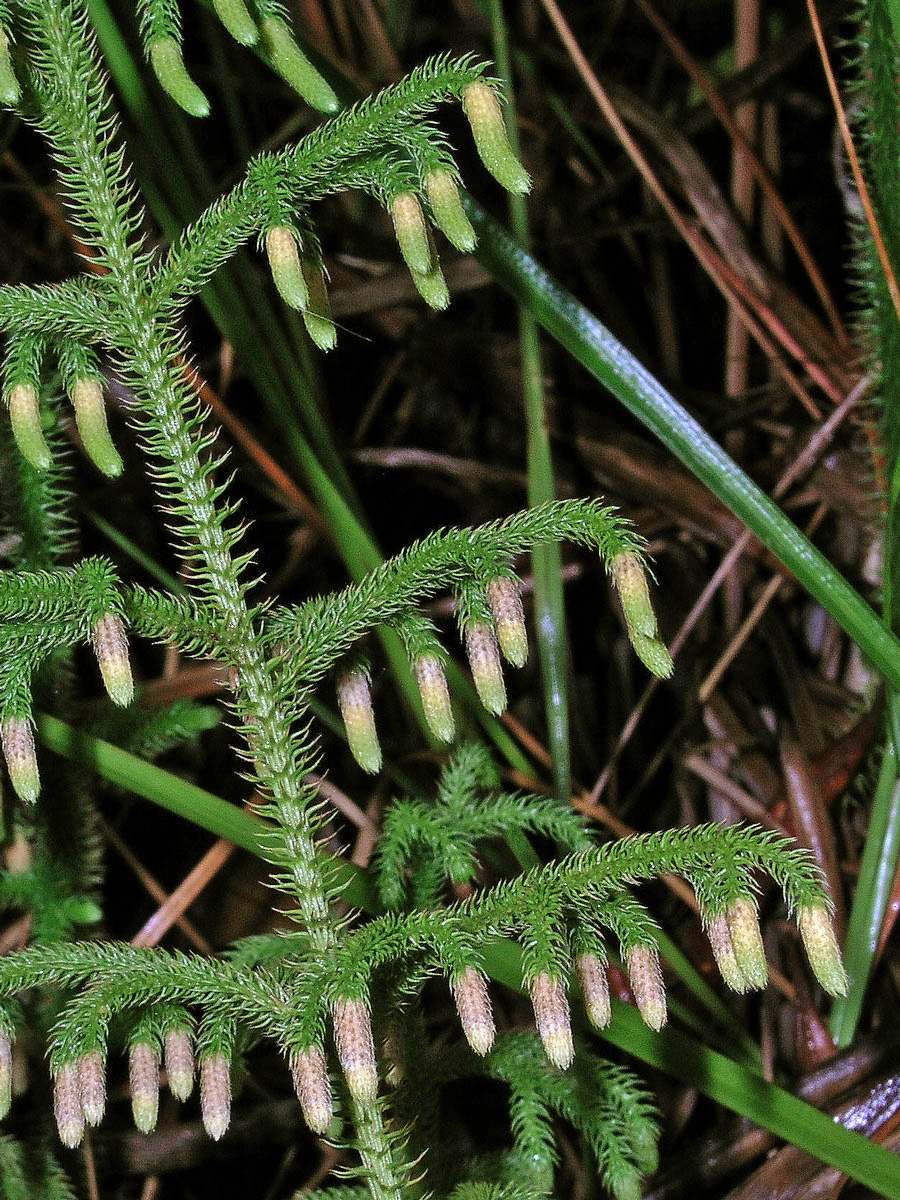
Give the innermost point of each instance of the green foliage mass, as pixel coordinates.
(328, 973)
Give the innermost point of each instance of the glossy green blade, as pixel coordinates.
(592, 344)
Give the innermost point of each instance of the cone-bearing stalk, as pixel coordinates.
(356, 1050)
(817, 931)
(473, 1004)
(179, 1059)
(484, 660)
(313, 1088)
(17, 740)
(92, 1082)
(67, 1105)
(505, 599)
(551, 1015)
(485, 115)
(594, 984)
(215, 1094)
(355, 702)
(143, 1079)
(435, 696)
(646, 981)
(111, 648)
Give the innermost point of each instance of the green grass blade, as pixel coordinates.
(876, 876)
(591, 343)
(546, 561)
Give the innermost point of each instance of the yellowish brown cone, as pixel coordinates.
(473, 1004)
(551, 1015)
(356, 1050)
(313, 1088)
(646, 981)
(215, 1095)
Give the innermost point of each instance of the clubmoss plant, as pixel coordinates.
(326, 977)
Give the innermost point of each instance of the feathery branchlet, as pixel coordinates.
(236, 18)
(484, 661)
(92, 1082)
(6, 1071)
(356, 1050)
(313, 1088)
(10, 92)
(17, 739)
(178, 1050)
(485, 115)
(630, 579)
(594, 984)
(470, 991)
(551, 1015)
(111, 648)
(505, 599)
(25, 418)
(283, 254)
(168, 66)
(90, 417)
(411, 229)
(723, 952)
(67, 1105)
(645, 977)
(143, 1080)
(354, 698)
(435, 696)
(446, 206)
(747, 943)
(817, 931)
(292, 64)
(215, 1094)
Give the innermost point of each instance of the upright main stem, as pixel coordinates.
(166, 408)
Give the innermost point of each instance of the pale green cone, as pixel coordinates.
(435, 696)
(505, 599)
(746, 940)
(17, 739)
(283, 254)
(446, 205)
(317, 315)
(10, 92)
(473, 1004)
(484, 660)
(92, 1082)
(111, 648)
(25, 418)
(168, 66)
(356, 1050)
(179, 1058)
(292, 65)
(485, 115)
(67, 1106)
(236, 18)
(355, 702)
(594, 986)
(817, 931)
(90, 417)
(411, 229)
